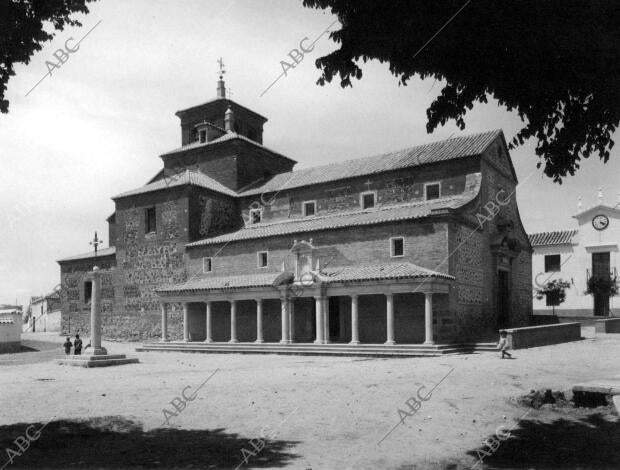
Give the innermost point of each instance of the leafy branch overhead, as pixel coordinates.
(23, 32)
(555, 62)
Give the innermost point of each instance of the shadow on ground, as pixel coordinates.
(583, 443)
(115, 442)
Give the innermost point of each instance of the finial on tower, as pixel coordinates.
(221, 88)
(579, 203)
(600, 195)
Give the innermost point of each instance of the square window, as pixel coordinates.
(207, 265)
(150, 225)
(552, 263)
(256, 215)
(397, 247)
(262, 259)
(431, 191)
(309, 208)
(368, 200)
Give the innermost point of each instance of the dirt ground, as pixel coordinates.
(315, 412)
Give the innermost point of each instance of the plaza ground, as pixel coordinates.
(328, 413)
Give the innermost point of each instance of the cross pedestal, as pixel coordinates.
(99, 356)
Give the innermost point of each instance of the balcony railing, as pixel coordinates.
(613, 275)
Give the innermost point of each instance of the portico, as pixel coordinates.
(327, 306)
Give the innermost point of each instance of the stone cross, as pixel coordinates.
(95, 313)
(96, 242)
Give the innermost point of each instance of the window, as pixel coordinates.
(309, 208)
(367, 200)
(207, 265)
(262, 259)
(150, 225)
(397, 247)
(88, 292)
(431, 191)
(256, 215)
(552, 263)
(203, 135)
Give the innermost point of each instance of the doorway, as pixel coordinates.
(503, 299)
(601, 269)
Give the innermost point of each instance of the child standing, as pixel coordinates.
(77, 345)
(503, 344)
(67, 345)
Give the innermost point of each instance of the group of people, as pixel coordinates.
(77, 345)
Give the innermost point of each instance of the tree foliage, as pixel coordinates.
(22, 31)
(555, 62)
(554, 291)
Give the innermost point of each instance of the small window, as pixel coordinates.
(256, 215)
(150, 225)
(309, 208)
(202, 135)
(367, 200)
(431, 191)
(552, 263)
(262, 259)
(207, 265)
(88, 292)
(397, 247)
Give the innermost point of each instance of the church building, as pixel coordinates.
(229, 243)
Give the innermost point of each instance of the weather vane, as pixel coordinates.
(96, 242)
(221, 73)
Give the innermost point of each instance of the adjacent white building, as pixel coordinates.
(575, 255)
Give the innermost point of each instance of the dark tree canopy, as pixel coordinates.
(22, 31)
(556, 62)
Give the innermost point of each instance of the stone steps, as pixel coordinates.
(383, 350)
(101, 360)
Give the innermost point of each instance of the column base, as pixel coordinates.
(99, 351)
(233, 341)
(208, 340)
(165, 340)
(354, 342)
(259, 341)
(429, 342)
(389, 342)
(285, 341)
(318, 341)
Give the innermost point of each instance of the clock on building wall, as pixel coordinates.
(600, 222)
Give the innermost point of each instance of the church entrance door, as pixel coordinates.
(503, 299)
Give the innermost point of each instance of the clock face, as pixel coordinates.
(600, 222)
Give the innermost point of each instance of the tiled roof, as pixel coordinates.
(346, 219)
(560, 237)
(328, 275)
(195, 178)
(458, 147)
(100, 253)
(219, 140)
(209, 282)
(378, 272)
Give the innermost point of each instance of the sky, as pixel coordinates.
(96, 126)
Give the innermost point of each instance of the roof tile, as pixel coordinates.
(560, 237)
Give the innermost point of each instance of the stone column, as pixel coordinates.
(185, 321)
(164, 322)
(259, 320)
(326, 320)
(390, 318)
(233, 321)
(428, 317)
(355, 338)
(285, 319)
(291, 323)
(95, 312)
(319, 320)
(209, 337)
